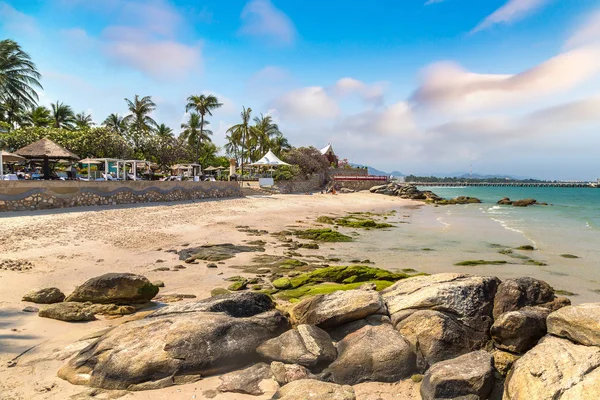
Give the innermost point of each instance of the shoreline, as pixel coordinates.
(70, 246)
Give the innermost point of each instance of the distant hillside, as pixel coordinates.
(466, 175)
(375, 171)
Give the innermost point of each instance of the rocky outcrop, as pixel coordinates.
(342, 331)
(437, 336)
(518, 331)
(115, 288)
(162, 350)
(373, 353)
(555, 369)
(514, 294)
(580, 324)
(306, 345)
(524, 202)
(68, 311)
(45, 296)
(286, 373)
(332, 310)
(312, 389)
(246, 381)
(408, 191)
(505, 201)
(468, 375)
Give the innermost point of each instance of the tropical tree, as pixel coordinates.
(242, 130)
(39, 116)
(115, 123)
(261, 134)
(139, 122)
(11, 112)
(195, 133)
(203, 105)
(309, 160)
(233, 145)
(280, 144)
(83, 120)
(62, 115)
(18, 75)
(164, 131)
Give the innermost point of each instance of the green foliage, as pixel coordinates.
(19, 76)
(308, 159)
(286, 173)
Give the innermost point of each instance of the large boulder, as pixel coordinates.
(468, 376)
(310, 389)
(580, 323)
(68, 311)
(45, 296)
(115, 288)
(160, 351)
(373, 353)
(335, 309)
(246, 381)
(469, 298)
(555, 369)
(437, 336)
(524, 202)
(518, 331)
(514, 294)
(306, 345)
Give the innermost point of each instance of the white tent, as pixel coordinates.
(269, 159)
(327, 150)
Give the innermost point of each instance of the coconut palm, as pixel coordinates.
(242, 130)
(62, 115)
(115, 123)
(261, 134)
(37, 116)
(164, 131)
(139, 122)
(11, 112)
(194, 132)
(83, 120)
(203, 105)
(280, 144)
(18, 75)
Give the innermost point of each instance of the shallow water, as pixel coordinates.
(451, 234)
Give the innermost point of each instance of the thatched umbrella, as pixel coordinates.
(46, 150)
(6, 157)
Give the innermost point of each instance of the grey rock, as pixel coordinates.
(306, 345)
(49, 295)
(115, 288)
(30, 309)
(335, 309)
(373, 353)
(470, 375)
(286, 373)
(306, 389)
(68, 311)
(514, 294)
(580, 323)
(246, 381)
(518, 331)
(342, 331)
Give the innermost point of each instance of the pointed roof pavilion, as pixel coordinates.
(269, 159)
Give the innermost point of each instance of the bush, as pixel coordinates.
(308, 159)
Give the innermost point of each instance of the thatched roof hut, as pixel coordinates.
(46, 150)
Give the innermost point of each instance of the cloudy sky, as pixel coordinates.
(419, 86)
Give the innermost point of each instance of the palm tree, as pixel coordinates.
(261, 134)
(37, 116)
(139, 122)
(280, 144)
(18, 75)
(115, 123)
(203, 105)
(62, 115)
(11, 112)
(242, 130)
(83, 120)
(164, 131)
(194, 132)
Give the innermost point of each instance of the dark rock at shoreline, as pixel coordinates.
(505, 201)
(524, 202)
(468, 375)
(518, 331)
(44, 296)
(408, 191)
(514, 294)
(115, 288)
(373, 353)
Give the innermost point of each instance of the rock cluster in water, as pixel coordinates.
(407, 191)
(505, 201)
(470, 336)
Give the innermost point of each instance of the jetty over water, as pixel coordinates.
(514, 184)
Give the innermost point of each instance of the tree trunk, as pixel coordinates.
(198, 138)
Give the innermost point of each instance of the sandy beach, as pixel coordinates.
(65, 248)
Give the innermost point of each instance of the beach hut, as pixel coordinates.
(6, 157)
(268, 160)
(89, 161)
(46, 150)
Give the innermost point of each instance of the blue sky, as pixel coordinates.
(510, 86)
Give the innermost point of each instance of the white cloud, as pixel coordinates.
(449, 87)
(394, 120)
(509, 12)
(372, 94)
(261, 18)
(15, 21)
(430, 2)
(586, 34)
(306, 104)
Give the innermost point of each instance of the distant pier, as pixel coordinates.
(513, 184)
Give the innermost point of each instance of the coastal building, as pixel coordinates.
(327, 151)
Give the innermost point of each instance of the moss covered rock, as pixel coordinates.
(238, 285)
(322, 235)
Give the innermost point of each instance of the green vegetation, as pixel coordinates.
(534, 262)
(427, 249)
(325, 288)
(322, 235)
(353, 221)
(292, 263)
(312, 246)
(564, 292)
(471, 263)
(416, 378)
(219, 291)
(238, 285)
(526, 247)
(569, 256)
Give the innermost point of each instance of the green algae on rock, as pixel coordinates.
(310, 290)
(569, 256)
(216, 252)
(470, 263)
(322, 235)
(353, 221)
(526, 247)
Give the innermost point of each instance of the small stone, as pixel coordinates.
(211, 265)
(31, 309)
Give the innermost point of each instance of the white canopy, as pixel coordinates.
(269, 159)
(327, 149)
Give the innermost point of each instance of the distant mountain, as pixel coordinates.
(375, 171)
(466, 175)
